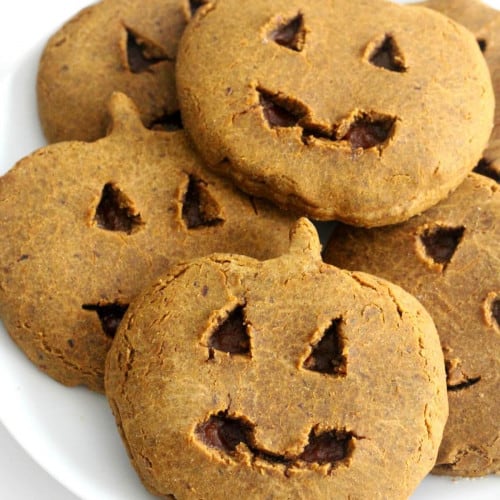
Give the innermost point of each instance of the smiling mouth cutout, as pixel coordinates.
(363, 130)
(234, 436)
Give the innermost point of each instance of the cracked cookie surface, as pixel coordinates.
(449, 259)
(86, 225)
(287, 378)
(361, 124)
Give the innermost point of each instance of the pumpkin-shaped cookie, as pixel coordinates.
(449, 258)
(363, 111)
(289, 378)
(113, 45)
(85, 225)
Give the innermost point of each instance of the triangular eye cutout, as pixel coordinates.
(141, 53)
(441, 242)
(290, 33)
(388, 56)
(110, 315)
(231, 334)
(116, 212)
(199, 209)
(327, 355)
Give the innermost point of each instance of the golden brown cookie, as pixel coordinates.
(359, 110)
(449, 259)
(114, 45)
(490, 163)
(289, 378)
(475, 15)
(484, 22)
(86, 225)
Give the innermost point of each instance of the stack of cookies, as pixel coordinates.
(161, 249)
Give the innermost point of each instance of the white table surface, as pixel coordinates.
(23, 479)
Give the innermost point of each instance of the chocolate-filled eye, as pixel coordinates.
(110, 315)
(116, 212)
(142, 53)
(327, 355)
(290, 33)
(231, 334)
(387, 55)
(199, 208)
(441, 242)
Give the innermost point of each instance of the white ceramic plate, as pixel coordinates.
(71, 432)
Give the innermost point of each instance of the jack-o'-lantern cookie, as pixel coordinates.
(289, 378)
(363, 111)
(115, 45)
(86, 225)
(484, 22)
(449, 259)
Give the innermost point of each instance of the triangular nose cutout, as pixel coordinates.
(141, 53)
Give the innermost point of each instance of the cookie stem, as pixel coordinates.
(304, 239)
(125, 118)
